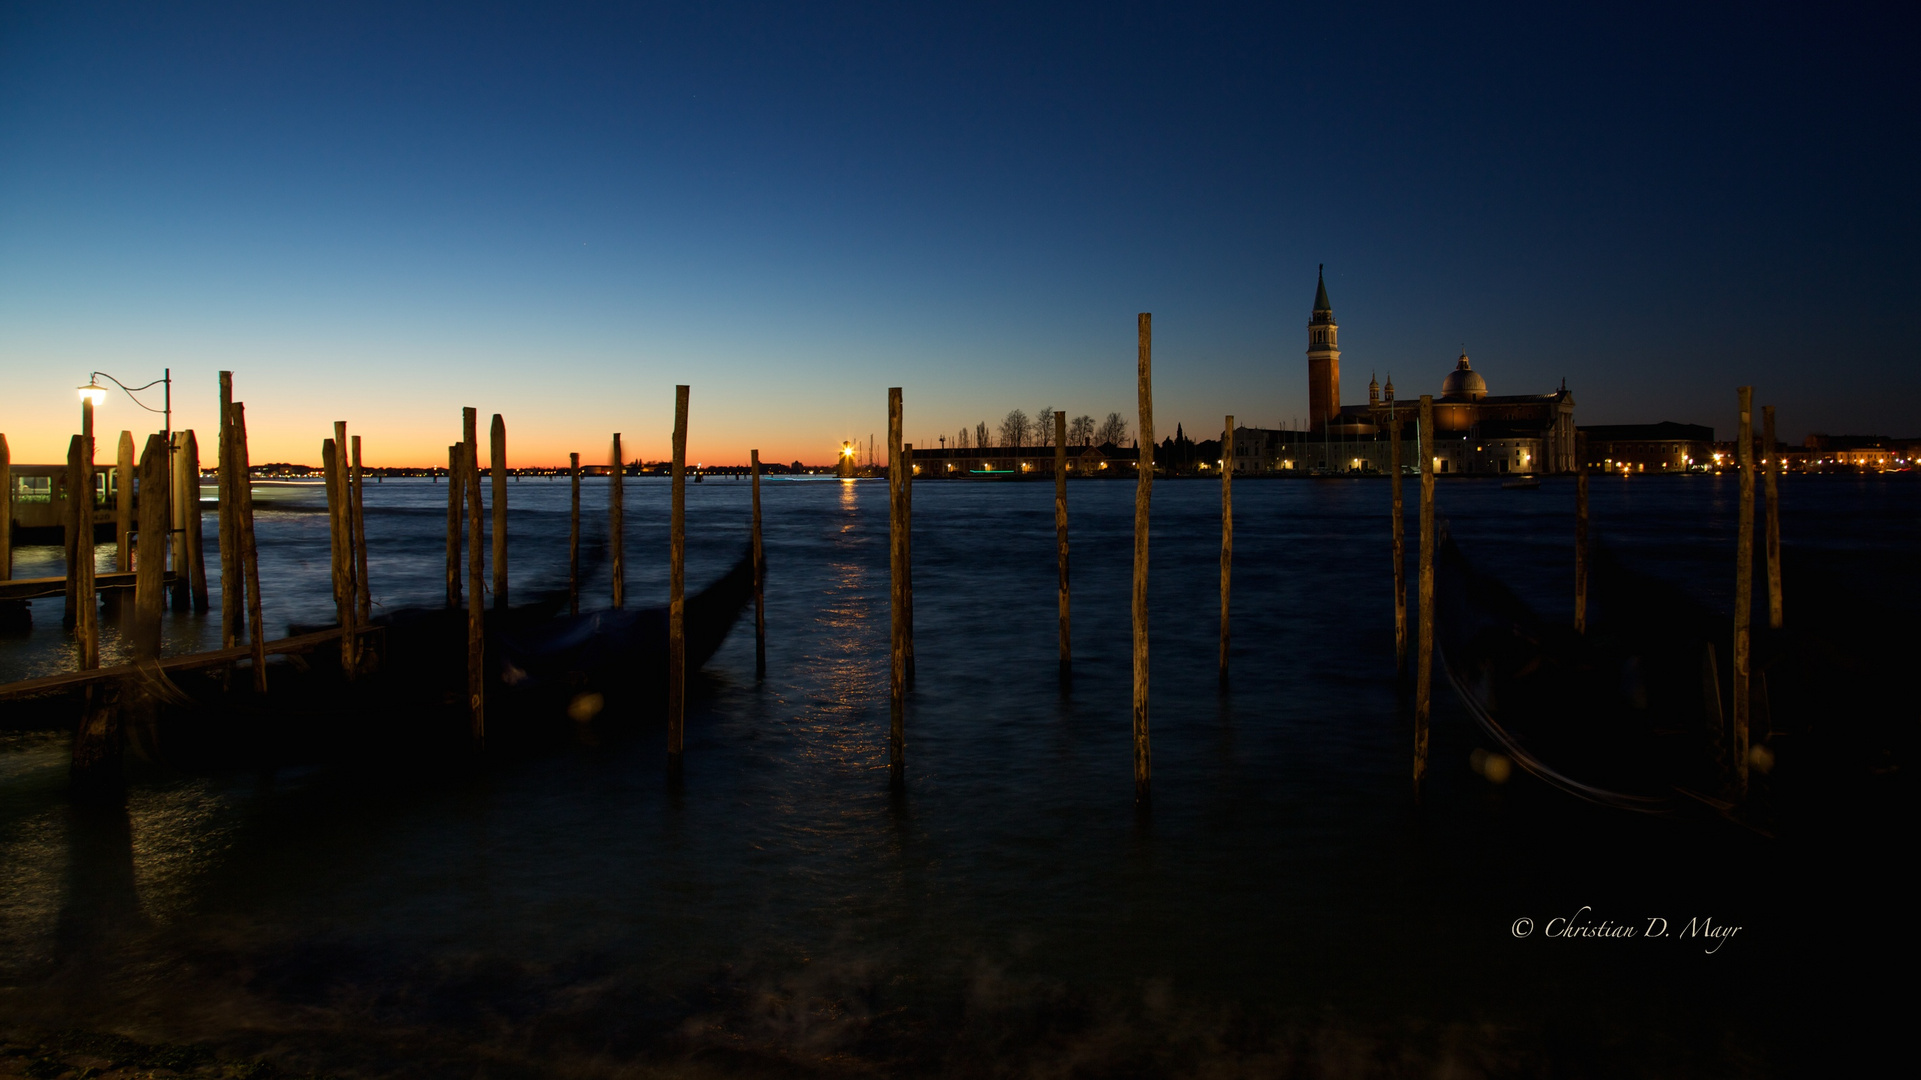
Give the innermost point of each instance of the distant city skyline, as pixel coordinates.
(382, 214)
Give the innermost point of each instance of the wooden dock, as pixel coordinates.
(42, 587)
(74, 680)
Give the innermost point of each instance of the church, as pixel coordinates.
(1475, 432)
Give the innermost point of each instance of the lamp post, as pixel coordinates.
(94, 394)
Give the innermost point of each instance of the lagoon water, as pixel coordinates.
(1283, 908)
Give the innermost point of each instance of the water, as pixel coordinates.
(1282, 909)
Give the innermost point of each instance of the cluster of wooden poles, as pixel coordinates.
(463, 494)
(165, 523)
(168, 513)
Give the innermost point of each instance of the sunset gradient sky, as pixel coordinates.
(383, 212)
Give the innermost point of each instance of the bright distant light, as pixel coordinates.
(93, 394)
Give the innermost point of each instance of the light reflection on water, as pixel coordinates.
(575, 907)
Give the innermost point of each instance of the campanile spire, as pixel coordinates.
(1323, 359)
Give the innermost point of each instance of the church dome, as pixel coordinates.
(1463, 383)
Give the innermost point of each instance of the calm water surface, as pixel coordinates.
(1283, 907)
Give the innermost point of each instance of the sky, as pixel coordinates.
(382, 213)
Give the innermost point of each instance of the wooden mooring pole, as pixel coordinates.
(1424, 655)
(1398, 528)
(1743, 589)
(1773, 472)
(476, 579)
(616, 527)
(232, 591)
(87, 616)
(246, 545)
(897, 596)
(194, 534)
(760, 578)
(94, 765)
(1060, 541)
(456, 472)
(573, 537)
(497, 459)
(70, 534)
(1580, 532)
(677, 590)
(1143, 492)
(150, 557)
(6, 511)
(363, 598)
(333, 454)
(907, 545)
(1227, 533)
(123, 503)
(180, 595)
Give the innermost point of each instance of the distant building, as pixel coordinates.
(998, 462)
(40, 494)
(1474, 432)
(1663, 447)
(1860, 452)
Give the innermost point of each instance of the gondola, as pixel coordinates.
(1628, 715)
(547, 674)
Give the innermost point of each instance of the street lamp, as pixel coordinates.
(94, 394)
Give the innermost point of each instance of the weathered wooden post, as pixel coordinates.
(95, 761)
(330, 475)
(70, 533)
(339, 521)
(476, 579)
(573, 537)
(150, 560)
(232, 589)
(616, 527)
(1400, 543)
(1424, 657)
(897, 597)
(1743, 588)
(677, 590)
(195, 535)
(1774, 518)
(1580, 532)
(123, 503)
(180, 593)
(363, 599)
(6, 511)
(1143, 492)
(497, 444)
(349, 565)
(456, 472)
(760, 578)
(907, 544)
(1227, 532)
(86, 625)
(1060, 540)
(247, 545)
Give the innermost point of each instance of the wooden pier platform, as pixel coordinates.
(73, 680)
(39, 588)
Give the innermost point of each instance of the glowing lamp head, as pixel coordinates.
(93, 393)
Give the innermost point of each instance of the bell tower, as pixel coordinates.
(1323, 360)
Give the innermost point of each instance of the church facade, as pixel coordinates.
(1475, 432)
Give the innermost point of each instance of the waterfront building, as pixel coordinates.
(1643, 448)
(1475, 432)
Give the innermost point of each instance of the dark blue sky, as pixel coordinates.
(558, 212)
